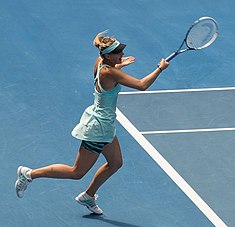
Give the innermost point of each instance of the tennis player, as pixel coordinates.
(96, 129)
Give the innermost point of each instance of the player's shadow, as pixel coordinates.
(112, 222)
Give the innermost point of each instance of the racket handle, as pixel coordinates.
(170, 57)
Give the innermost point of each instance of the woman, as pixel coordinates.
(96, 129)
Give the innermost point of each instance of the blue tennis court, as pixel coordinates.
(177, 138)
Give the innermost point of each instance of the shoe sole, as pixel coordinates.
(18, 177)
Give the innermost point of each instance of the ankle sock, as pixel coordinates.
(88, 196)
(28, 175)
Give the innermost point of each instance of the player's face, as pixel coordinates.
(116, 58)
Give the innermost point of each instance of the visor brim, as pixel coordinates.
(118, 49)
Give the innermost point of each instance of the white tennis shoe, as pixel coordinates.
(22, 181)
(89, 202)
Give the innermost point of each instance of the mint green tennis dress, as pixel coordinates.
(97, 123)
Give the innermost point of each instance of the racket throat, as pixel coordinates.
(170, 57)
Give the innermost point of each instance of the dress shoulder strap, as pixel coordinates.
(97, 78)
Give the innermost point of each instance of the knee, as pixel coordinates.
(116, 166)
(77, 174)
(119, 164)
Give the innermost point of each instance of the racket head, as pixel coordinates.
(202, 33)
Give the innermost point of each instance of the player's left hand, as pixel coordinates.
(125, 61)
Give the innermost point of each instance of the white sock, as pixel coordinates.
(28, 175)
(88, 196)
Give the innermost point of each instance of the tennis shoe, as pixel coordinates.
(89, 202)
(22, 181)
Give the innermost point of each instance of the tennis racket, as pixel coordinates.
(201, 34)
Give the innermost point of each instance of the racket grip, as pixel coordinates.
(170, 57)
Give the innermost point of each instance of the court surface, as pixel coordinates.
(177, 138)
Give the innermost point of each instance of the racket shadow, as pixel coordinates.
(112, 222)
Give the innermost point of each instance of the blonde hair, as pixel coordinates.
(102, 42)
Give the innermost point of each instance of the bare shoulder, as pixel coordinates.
(111, 73)
(112, 70)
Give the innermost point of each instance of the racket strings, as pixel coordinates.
(201, 34)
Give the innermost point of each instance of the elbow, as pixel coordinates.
(142, 86)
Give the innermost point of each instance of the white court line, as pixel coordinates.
(187, 131)
(170, 171)
(177, 91)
